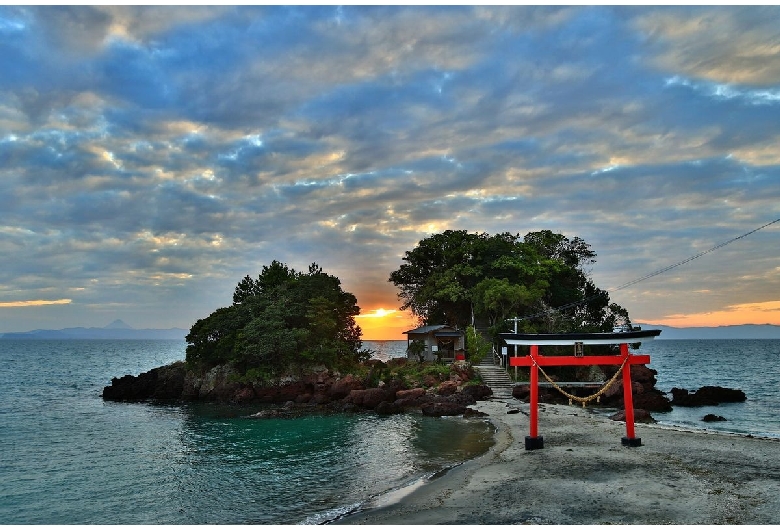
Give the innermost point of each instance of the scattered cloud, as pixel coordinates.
(152, 156)
(35, 303)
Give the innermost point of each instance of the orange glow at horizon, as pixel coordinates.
(386, 324)
(35, 303)
(389, 324)
(734, 315)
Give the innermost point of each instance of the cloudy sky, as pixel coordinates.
(151, 157)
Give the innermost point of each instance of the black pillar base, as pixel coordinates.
(631, 442)
(532, 443)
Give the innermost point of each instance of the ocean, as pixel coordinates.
(749, 365)
(68, 457)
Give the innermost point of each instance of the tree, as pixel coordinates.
(500, 298)
(440, 275)
(477, 347)
(212, 340)
(282, 318)
(458, 278)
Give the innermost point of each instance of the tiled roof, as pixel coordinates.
(424, 330)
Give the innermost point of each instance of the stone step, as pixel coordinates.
(496, 378)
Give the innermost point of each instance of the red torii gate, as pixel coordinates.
(535, 360)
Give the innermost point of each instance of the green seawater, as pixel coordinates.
(68, 457)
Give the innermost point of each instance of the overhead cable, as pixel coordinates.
(652, 274)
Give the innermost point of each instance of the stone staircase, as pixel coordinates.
(495, 377)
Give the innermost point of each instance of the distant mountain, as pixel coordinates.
(115, 330)
(745, 331)
(118, 324)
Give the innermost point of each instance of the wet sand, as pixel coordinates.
(584, 475)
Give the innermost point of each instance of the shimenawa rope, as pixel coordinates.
(590, 398)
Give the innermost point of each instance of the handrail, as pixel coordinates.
(496, 357)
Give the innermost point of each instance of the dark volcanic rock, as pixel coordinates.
(385, 407)
(452, 405)
(370, 397)
(640, 416)
(443, 408)
(447, 388)
(713, 417)
(644, 394)
(291, 391)
(706, 396)
(460, 398)
(341, 388)
(471, 413)
(643, 375)
(244, 395)
(218, 384)
(654, 401)
(164, 383)
(321, 388)
(413, 393)
(416, 397)
(478, 392)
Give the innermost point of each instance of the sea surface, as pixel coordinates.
(748, 365)
(68, 457)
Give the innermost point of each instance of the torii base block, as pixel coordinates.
(631, 442)
(534, 442)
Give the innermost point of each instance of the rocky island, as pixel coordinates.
(387, 388)
(290, 338)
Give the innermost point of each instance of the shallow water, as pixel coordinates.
(70, 458)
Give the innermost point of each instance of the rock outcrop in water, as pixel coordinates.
(706, 396)
(646, 398)
(644, 394)
(319, 388)
(163, 383)
(712, 417)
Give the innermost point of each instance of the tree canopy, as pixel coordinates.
(282, 318)
(460, 278)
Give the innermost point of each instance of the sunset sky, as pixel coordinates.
(150, 157)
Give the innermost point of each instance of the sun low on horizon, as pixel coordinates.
(385, 324)
(390, 324)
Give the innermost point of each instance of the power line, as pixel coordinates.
(651, 275)
(700, 254)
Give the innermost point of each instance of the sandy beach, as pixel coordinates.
(583, 475)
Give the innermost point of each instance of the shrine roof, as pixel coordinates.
(565, 339)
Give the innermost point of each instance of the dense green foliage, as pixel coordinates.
(280, 320)
(405, 374)
(463, 279)
(477, 347)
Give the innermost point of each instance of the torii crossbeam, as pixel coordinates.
(535, 360)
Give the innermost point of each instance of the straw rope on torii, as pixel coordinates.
(583, 400)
